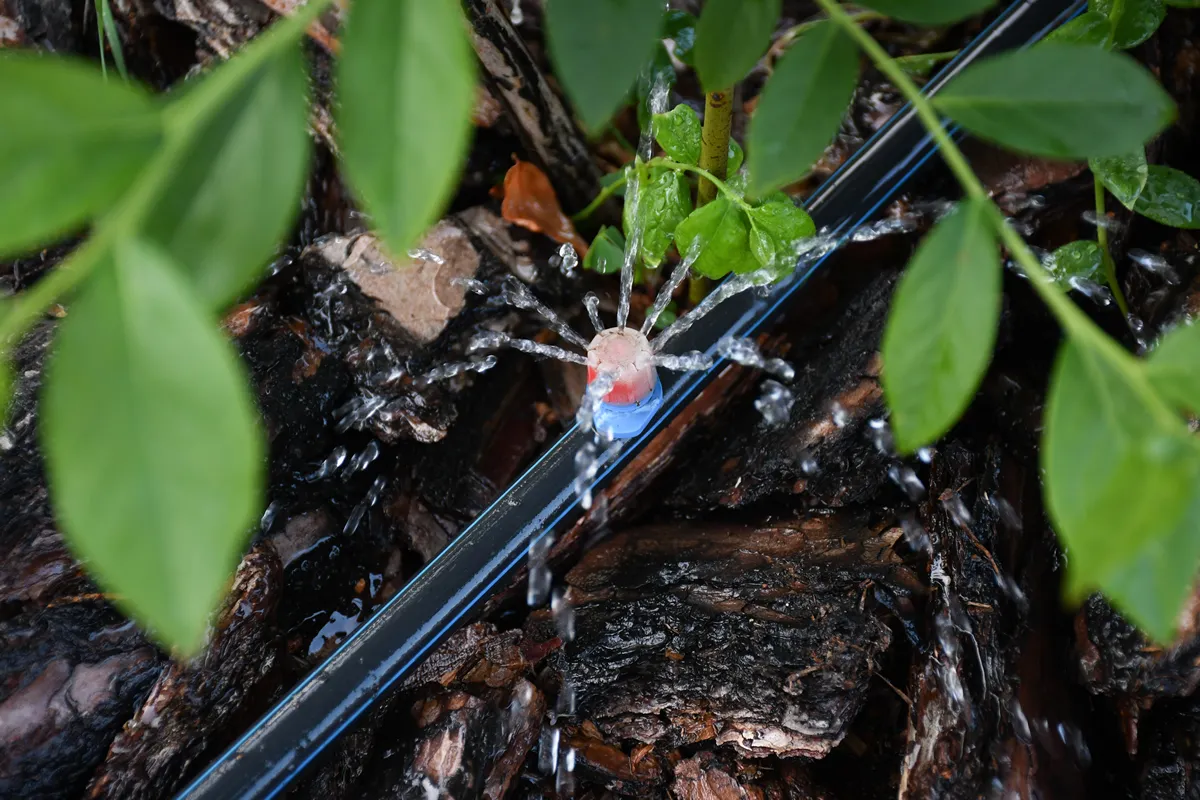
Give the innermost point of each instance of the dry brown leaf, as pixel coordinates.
(530, 201)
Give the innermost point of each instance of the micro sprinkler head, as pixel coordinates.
(636, 394)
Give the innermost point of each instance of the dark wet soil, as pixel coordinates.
(763, 612)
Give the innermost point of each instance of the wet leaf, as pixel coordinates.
(607, 252)
(929, 12)
(143, 387)
(723, 232)
(664, 200)
(681, 28)
(1089, 28)
(1081, 260)
(1174, 367)
(1059, 101)
(659, 71)
(731, 37)
(1125, 175)
(678, 133)
(70, 145)
(404, 136)
(1122, 480)
(1133, 21)
(942, 326)
(775, 228)
(598, 47)
(919, 66)
(236, 191)
(801, 107)
(1171, 197)
(530, 201)
(736, 157)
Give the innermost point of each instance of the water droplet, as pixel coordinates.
(1155, 264)
(564, 616)
(915, 535)
(569, 259)
(774, 403)
(925, 455)
(548, 750)
(1090, 289)
(906, 478)
(881, 436)
(592, 303)
(516, 16)
(839, 415)
(958, 510)
(268, 517)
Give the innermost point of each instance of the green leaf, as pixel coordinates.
(1059, 101)
(731, 37)
(1081, 260)
(1122, 480)
(607, 253)
(942, 326)
(70, 145)
(663, 201)
(1184, 3)
(404, 133)
(919, 66)
(929, 12)
(1090, 28)
(1171, 197)
(680, 27)
(610, 178)
(801, 107)
(1124, 175)
(1173, 367)
(775, 228)
(668, 315)
(598, 47)
(658, 74)
(735, 158)
(720, 232)
(153, 449)
(678, 133)
(1133, 21)
(235, 192)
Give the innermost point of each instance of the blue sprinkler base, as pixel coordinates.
(627, 421)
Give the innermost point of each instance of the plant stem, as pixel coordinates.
(707, 176)
(599, 199)
(714, 142)
(1110, 269)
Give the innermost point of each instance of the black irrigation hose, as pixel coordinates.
(443, 595)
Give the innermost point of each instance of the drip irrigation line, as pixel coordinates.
(440, 598)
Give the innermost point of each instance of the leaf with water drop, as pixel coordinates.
(70, 145)
(1174, 367)
(1124, 175)
(405, 135)
(1122, 479)
(678, 133)
(720, 231)
(1133, 21)
(929, 12)
(1170, 197)
(153, 450)
(1081, 260)
(801, 107)
(1090, 28)
(731, 37)
(942, 326)
(607, 252)
(735, 158)
(664, 200)
(775, 228)
(598, 48)
(235, 191)
(1059, 101)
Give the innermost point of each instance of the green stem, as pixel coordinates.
(714, 141)
(796, 31)
(100, 38)
(725, 188)
(1110, 269)
(605, 193)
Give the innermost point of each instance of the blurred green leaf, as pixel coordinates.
(70, 145)
(678, 133)
(152, 445)
(607, 253)
(919, 66)
(942, 326)
(1090, 28)
(664, 200)
(720, 231)
(731, 37)
(928, 12)
(1133, 21)
(736, 157)
(1173, 367)
(668, 315)
(801, 107)
(681, 28)
(775, 228)
(612, 177)
(1124, 175)
(1122, 479)
(598, 48)
(1081, 260)
(1059, 101)
(405, 134)
(1170, 197)
(235, 192)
